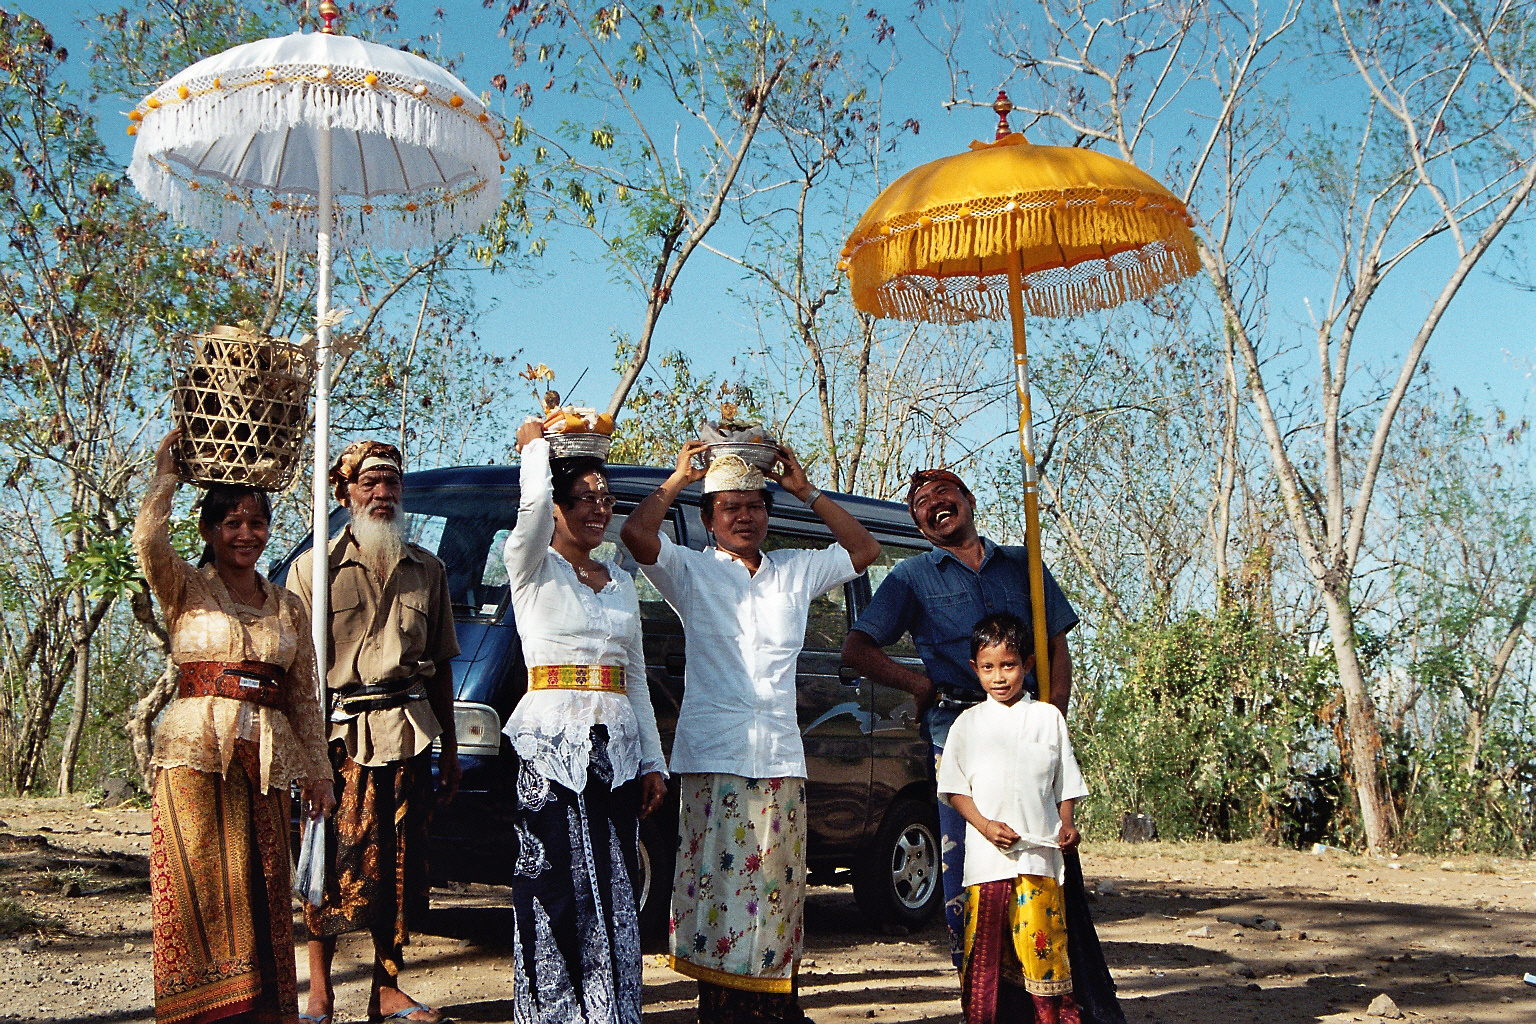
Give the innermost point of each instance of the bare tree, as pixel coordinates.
(649, 186)
(1423, 161)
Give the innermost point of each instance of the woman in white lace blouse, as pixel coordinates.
(245, 725)
(590, 760)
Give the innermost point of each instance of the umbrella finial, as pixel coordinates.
(1003, 107)
(329, 12)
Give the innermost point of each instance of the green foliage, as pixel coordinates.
(665, 408)
(1208, 727)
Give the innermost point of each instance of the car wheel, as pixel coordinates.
(897, 883)
(653, 896)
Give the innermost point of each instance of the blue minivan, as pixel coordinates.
(869, 775)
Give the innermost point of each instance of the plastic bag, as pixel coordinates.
(309, 878)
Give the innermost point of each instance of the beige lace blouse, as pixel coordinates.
(206, 623)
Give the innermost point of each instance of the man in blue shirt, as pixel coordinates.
(938, 597)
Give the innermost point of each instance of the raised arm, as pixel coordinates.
(862, 548)
(529, 540)
(165, 570)
(642, 530)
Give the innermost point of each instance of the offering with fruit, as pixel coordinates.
(566, 419)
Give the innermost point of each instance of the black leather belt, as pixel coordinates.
(960, 698)
(392, 693)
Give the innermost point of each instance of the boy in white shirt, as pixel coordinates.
(1008, 769)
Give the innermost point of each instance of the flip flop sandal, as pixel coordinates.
(324, 1018)
(405, 1015)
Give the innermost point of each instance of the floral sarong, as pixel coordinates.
(738, 903)
(577, 937)
(1016, 939)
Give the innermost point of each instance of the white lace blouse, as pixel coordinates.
(562, 621)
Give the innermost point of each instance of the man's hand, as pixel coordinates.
(319, 798)
(686, 472)
(999, 834)
(653, 790)
(924, 692)
(448, 775)
(793, 478)
(1067, 837)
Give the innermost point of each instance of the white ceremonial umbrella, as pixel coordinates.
(319, 136)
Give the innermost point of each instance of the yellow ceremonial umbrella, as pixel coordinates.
(1010, 225)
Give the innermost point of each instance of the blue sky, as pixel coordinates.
(568, 311)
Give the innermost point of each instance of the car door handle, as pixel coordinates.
(849, 675)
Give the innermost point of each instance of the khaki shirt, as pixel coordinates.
(400, 630)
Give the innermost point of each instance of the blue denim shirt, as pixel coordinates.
(939, 599)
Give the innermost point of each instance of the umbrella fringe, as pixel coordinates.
(230, 215)
(945, 265)
(410, 115)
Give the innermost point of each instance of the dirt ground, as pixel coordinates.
(1447, 940)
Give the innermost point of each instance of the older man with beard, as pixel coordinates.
(939, 597)
(391, 643)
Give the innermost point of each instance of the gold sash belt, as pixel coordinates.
(600, 678)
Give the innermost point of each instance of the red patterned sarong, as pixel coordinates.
(1015, 969)
(218, 877)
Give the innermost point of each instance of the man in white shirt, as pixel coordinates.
(739, 898)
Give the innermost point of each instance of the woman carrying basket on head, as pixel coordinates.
(245, 725)
(590, 760)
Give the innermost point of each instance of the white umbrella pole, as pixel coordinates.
(320, 582)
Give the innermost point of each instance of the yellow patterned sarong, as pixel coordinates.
(599, 678)
(1034, 918)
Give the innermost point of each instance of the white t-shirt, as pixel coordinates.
(744, 632)
(1017, 764)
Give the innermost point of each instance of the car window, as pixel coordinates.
(827, 626)
(892, 555)
(654, 610)
(467, 530)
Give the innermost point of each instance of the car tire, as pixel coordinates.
(658, 857)
(897, 882)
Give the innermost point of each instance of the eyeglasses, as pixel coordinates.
(602, 501)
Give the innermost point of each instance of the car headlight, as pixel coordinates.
(478, 728)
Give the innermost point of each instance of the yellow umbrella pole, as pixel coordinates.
(1031, 477)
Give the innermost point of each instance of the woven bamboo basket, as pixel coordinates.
(241, 401)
